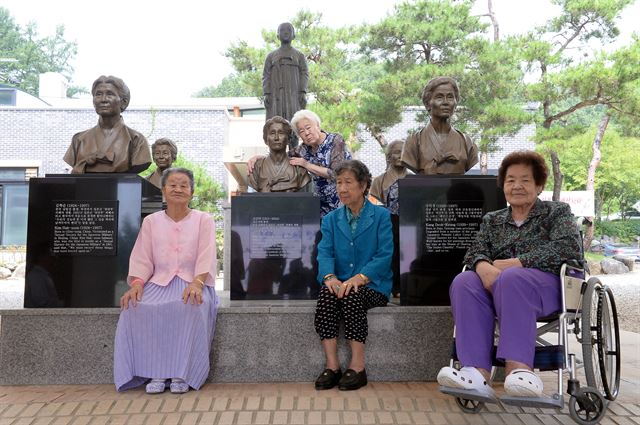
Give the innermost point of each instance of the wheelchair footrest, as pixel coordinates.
(469, 394)
(556, 401)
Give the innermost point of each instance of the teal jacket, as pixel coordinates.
(368, 251)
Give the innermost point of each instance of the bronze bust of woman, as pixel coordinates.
(110, 146)
(439, 148)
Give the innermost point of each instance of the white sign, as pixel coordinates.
(581, 201)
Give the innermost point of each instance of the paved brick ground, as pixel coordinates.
(286, 403)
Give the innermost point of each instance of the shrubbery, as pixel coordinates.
(625, 231)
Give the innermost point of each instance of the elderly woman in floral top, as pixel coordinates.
(513, 275)
(320, 154)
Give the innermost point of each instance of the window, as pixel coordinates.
(14, 202)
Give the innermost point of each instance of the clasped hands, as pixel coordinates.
(489, 272)
(342, 289)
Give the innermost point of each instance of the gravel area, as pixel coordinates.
(626, 290)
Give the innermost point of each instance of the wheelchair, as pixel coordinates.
(589, 312)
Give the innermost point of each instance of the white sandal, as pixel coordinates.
(523, 383)
(467, 378)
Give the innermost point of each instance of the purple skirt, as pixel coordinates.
(164, 338)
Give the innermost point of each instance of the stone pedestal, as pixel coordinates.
(81, 230)
(273, 241)
(439, 219)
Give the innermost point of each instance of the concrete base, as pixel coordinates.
(254, 342)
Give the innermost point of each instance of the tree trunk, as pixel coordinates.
(484, 163)
(382, 141)
(591, 174)
(557, 176)
(494, 21)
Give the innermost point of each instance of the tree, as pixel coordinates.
(426, 38)
(27, 55)
(548, 52)
(230, 86)
(335, 68)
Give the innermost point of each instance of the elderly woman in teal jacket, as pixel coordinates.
(354, 268)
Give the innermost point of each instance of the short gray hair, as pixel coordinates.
(178, 170)
(302, 114)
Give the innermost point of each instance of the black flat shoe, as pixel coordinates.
(352, 380)
(328, 379)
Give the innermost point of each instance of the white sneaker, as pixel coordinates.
(467, 378)
(523, 383)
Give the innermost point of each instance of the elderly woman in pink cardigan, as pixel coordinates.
(168, 315)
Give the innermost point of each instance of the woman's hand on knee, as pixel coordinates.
(508, 263)
(133, 295)
(488, 274)
(352, 284)
(333, 285)
(192, 294)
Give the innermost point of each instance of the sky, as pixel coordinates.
(170, 50)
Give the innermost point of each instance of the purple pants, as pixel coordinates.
(519, 297)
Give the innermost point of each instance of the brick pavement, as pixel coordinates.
(273, 403)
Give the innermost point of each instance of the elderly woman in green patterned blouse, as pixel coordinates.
(513, 269)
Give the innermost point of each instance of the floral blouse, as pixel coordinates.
(547, 238)
(331, 152)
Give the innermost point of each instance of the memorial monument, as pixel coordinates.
(82, 226)
(164, 152)
(284, 78)
(274, 173)
(381, 187)
(110, 146)
(439, 148)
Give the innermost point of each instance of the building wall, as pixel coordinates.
(45, 134)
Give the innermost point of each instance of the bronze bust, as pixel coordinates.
(164, 153)
(110, 146)
(439, 148)
(395, 170)
(285, 77)
(274, 173)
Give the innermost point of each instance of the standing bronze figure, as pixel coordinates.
(285, 77)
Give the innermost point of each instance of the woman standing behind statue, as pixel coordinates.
(110, 146)
(439, 148)
(168, 316)
(320, 153)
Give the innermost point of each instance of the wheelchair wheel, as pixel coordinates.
(469, 406)
(587, 406)
(608, 344)
(600, 339)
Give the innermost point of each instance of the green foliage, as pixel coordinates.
(617, 176)
(33, 55)
(231, 86)
(624, 231)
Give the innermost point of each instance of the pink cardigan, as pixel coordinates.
(165, 248)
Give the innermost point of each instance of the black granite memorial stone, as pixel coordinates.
(439, 219)
(273, 246)
(81, 230)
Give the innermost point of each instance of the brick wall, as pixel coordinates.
(45, 134)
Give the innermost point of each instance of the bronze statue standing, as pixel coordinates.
(285, 77)
(274, 173)
(164, 153)
(110, 146)
(439, 148)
